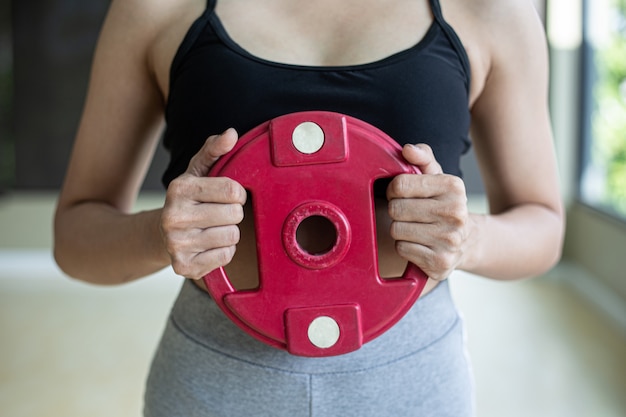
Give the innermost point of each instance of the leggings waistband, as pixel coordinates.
(430, 319)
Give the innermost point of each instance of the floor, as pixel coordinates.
(68, 349)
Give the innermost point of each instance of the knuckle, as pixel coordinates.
(449, 262)
(392, 188)
(454, 214)
(402, 248)
(430, 261)
(181, 267)
(428, 183)
(443, 261)
(455, 184)
(236, 213)
(231, 191)
(167, 223)
(397, 230)
(223, 256)
(458, 219)
(425, 147)
(233, 235)
(168, 215)
(452, 239)
(399, 185)
(396, 209)
(179, 186)
(435, 262)
(172, 245)
(172, 220)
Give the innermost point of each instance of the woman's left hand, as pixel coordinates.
(430, 219)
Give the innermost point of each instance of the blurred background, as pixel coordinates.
(548, 347)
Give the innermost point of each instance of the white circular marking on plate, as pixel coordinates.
(324, 332)
(308, 137)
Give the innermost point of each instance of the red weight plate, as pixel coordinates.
(315, 164)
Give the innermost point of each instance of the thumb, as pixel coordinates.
(421, 155)
(214, 147)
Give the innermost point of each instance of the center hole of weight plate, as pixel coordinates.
(316, 235)
(308, 137)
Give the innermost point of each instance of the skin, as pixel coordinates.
(205, 222)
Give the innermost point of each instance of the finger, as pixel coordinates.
(424, 186)
(444, 208)
(413, 210)
(422, 156)
(214, 147)
(205, 189)
(197, 252)
(435, 237)
(202, 216)
(194, 241)
(201, 263)
(213, 259)
(435, 265)
(214, 238)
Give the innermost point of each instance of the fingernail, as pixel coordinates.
(227, 130)
(413, 147)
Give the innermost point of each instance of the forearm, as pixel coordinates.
(96, 243)
(521, 242)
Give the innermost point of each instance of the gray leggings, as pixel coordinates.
(205, 366)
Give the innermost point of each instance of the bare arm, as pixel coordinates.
(514, 145)
(522, 235)
(97, 239)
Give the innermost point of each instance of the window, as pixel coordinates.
(603, 162)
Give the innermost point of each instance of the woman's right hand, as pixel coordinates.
(200, 216)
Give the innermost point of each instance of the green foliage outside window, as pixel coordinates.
(608, 149)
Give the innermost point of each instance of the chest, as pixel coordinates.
(324, 32)
(302, 32)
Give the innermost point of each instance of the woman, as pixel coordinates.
(424, 71)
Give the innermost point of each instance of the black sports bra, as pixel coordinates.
(420, 94)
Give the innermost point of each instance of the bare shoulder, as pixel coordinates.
(134, 24)
(499, 16)
(148, 15)
(511, 22)
(496, 33)
(150, 30)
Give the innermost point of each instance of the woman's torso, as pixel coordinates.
(328, 45)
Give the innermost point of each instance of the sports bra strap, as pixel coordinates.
(436, 9)
(454, 38)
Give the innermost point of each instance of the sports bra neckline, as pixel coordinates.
(224, 36)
